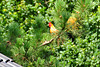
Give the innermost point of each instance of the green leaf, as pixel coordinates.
(15, 50)
(99, 9)
(30, 51)
(22, 50)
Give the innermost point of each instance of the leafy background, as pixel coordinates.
(24, 27)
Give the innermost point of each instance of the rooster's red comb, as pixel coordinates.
(50, 24)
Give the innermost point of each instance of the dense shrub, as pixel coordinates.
(24, 27)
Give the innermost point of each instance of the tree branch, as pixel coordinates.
(47, 42)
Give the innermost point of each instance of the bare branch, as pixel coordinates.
(47, 42)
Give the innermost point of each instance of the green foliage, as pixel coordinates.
(80, 54)
(24, 27)
(13, 30)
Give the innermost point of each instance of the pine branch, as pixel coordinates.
(47, 42)
(55, 38)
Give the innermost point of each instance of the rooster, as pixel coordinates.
(52, 28)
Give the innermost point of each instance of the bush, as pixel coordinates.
(24, 28)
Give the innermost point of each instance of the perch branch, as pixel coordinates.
(47, 42)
